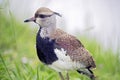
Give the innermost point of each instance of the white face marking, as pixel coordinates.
(46, 22)
(48, 25)
(64, 63)
(44, 33)
(38, 21)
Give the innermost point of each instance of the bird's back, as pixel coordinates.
(73, 47)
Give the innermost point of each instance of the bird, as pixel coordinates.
(59, 50)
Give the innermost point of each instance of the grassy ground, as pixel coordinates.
(18, 59)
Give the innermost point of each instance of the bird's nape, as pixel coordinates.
(58, 14)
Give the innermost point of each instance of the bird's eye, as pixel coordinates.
(42, 16)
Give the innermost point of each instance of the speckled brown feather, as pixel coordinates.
(83, 56)
(74, 48)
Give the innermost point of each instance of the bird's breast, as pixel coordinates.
(45, 50)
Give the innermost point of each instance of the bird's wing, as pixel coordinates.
(74, 49)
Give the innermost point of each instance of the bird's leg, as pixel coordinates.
(61, 76)
(67, 76)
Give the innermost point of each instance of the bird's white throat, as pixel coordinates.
(47, 31)
(48, 26)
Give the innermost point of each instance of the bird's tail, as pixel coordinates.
(87, 72)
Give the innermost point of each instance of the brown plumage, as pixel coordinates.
(58, 49)
(74, 48)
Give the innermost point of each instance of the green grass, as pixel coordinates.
(18, 59)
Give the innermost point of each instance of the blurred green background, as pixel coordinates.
(18, 59)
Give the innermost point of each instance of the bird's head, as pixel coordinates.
(44, 17)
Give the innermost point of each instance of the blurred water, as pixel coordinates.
(99, 19)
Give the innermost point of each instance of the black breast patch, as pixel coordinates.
(45, 49)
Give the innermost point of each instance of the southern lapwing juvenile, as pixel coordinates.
(59, 50)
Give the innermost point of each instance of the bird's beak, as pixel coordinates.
(33, 19)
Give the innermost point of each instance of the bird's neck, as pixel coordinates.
(47, 31)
